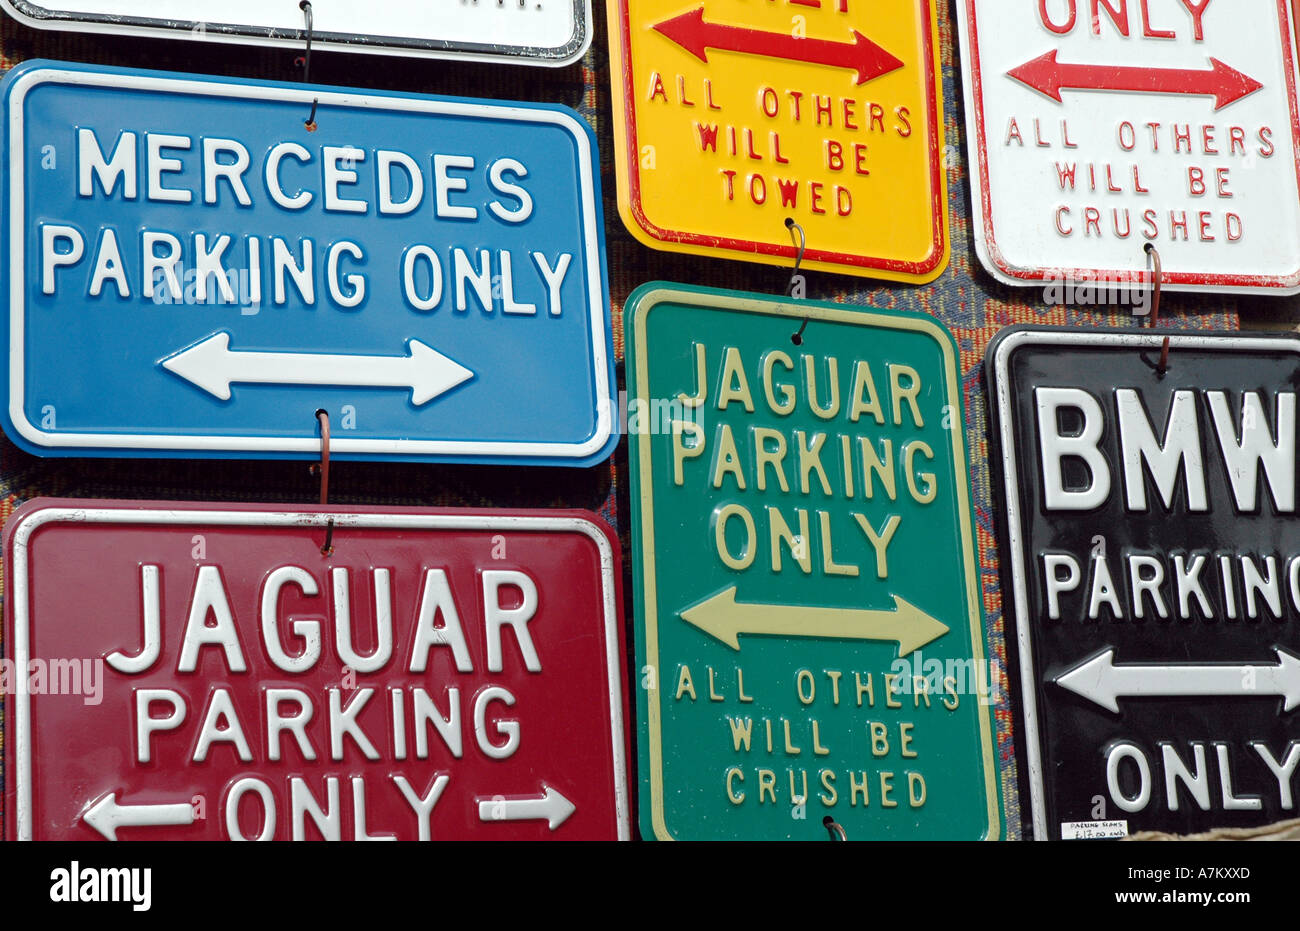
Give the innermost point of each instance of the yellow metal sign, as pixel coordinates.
(733, 116)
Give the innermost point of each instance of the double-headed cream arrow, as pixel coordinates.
(723, 618)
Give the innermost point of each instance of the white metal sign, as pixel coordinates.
(540, 32)
(1096, 127)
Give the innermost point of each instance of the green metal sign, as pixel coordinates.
(810, 639)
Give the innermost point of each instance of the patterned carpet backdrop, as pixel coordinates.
(969, 301)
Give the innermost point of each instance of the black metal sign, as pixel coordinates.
(1151, 558)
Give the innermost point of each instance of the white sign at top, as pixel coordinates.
(539, 32)
(1096, 127)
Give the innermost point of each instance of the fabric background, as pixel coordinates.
(968, 300)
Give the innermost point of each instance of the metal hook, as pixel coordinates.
(305, 62)
(801, 244)
(1163, 365)
(323, 470)
(833, 829)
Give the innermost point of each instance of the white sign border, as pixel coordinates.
(37, 16)
(28, 523)
(212, 443)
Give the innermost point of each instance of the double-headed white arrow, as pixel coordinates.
(106, 815)
(551, 807)
(1099, 680)
(213, 366)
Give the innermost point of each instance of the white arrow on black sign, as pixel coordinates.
(106, 815)
(1099, 680)
(551, 807)
(213, 366)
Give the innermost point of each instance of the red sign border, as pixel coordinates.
(38, 512)
(1190, 280)
(938, 214)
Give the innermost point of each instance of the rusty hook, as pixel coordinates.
(801, 244)
(1151, 250)
(323, 470)
(304, 61)
(833, 828)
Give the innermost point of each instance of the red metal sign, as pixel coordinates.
(206, 672)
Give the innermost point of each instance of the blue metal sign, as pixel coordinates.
(193, 271)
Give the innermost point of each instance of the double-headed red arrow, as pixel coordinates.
(1048, 76)
(692, 33)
